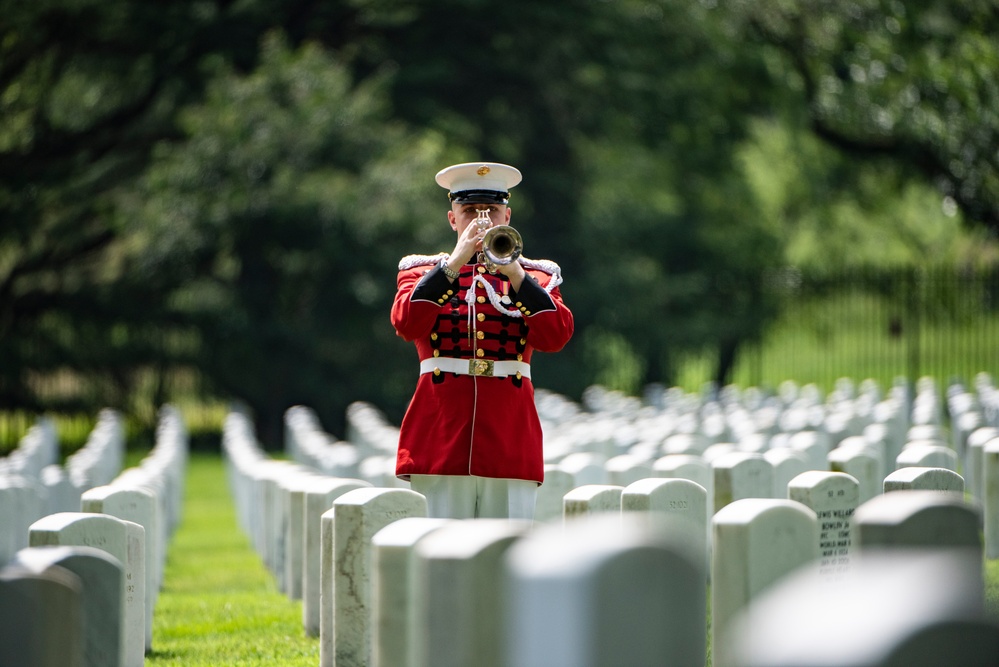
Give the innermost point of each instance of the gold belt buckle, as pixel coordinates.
(481, 367)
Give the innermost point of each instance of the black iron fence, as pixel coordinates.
(878, 324)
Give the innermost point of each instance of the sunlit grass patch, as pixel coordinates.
(219, 604)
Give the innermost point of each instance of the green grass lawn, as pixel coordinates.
(219, 605)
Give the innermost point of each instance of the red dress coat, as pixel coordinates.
(461, 424)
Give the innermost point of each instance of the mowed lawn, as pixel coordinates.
(219, 605)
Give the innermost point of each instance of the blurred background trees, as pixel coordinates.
(210, 198)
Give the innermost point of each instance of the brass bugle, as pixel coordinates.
(501, 245)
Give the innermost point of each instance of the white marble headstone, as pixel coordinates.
(863, 465)
(973, 459)
(100, 576)
(345, 578)
(676, 507)
(926, 454)
(756, 541)
(815, 445)
(624, 469)
(41, 616)
(604, 591)
(122, 539)
(318, 498)
(917, 519)
(459, 592)
(787, 464)
(591, 499)
(739, 475)
(585, 468)
(138, 506)
(548, 506)
(20, 506)
(990, 496)
(901, 609)
(63, 496)
(834, 497)
(924, 479)
(393, 608)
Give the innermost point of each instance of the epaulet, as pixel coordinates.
(546, 265)
(412, 261)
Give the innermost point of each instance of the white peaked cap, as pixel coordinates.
(481, 177)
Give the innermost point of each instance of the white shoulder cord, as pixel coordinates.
(541, 265)
(410, 261)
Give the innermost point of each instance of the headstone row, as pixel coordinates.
(611, 424)
(101, 560)
(630, 587)
(34, 485)
(377, 441)
(307, 443)
(616, 440)
(369, 430)
(102, 456)
(616, 580)
(280, 504)
(35, 451)
(368, 453)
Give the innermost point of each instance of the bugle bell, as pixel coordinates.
(501, 245)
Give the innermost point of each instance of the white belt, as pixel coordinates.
(479, 367)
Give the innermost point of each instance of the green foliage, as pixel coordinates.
(85, 89)
(72, 430)
(286, 207)
(837, 214)
(914, 82)
(627, 153)
(192, 207)
(14, 425)
(679, 261)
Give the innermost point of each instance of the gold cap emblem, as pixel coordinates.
(482, 171)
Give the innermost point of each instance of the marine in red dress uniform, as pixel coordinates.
(473, 411)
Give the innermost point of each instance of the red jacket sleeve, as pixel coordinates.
(550, 321)
(421, 292)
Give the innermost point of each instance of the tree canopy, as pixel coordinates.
(222, 190)
(912, 82)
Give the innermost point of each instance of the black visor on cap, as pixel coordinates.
(479, 197)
